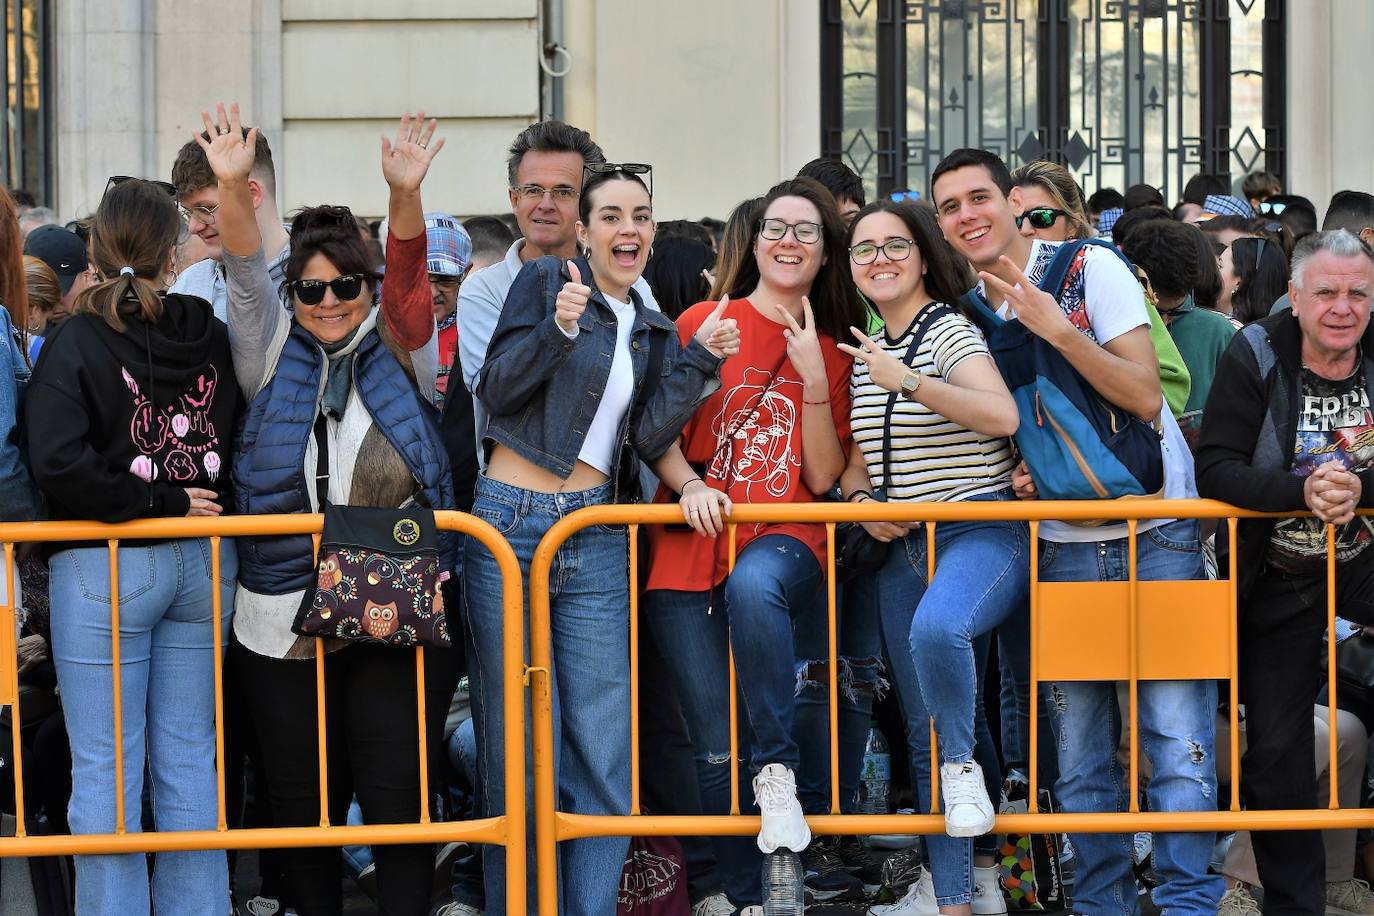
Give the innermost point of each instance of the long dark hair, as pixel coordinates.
(674, 273)
(948, 274)
(736, 240)
(834, 299)
(135, 227)
(332, 232)
(1262, 271)
(13, 289)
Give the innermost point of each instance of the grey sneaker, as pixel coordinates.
(1238, 902)
(1349, 898)
(714, 905)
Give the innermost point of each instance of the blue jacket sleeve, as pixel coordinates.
(528, 347)
(692, 374)
(18, 496)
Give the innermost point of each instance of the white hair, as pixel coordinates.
(1336, 242)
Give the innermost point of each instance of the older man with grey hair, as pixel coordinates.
(1288, 427)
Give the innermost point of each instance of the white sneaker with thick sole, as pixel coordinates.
(775, 790)
(988, 899)
(968, 812)
(1349, 898)
(919, 900)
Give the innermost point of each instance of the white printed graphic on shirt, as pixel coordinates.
(760, 422)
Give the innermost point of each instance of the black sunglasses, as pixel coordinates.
(629, 168)
(120, 179)
(1040, 217)
(311, 292)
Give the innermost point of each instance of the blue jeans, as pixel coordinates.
(589, 592)
(771, 612)
(1177, 732)
(938, 634)
(168, 690)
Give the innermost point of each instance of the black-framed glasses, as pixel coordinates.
(201, 214)
(1272, 207)
(311, 292)
(897, 249)
(1040, 217)
(444, 281)
(775, 229)
(629, 168)
(562, 193)
(120, 179)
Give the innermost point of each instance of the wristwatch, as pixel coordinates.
(910, 383)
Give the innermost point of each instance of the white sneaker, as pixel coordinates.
(459, 909)
(775, 790)
(968, 812)
(919, 900)
(1238, 902)
(1349, 898)
(714, 905)
(987, 891)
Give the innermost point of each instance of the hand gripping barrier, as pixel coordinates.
(1080, 631)
(507, 830)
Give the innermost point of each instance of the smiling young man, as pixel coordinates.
(545, 170)
(198, 197)
(1099, 324)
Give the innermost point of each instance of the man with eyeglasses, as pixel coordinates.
(545, 169)
(198, 197)
(448, 257)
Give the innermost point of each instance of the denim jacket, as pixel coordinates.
(543, 389)
(19, 499)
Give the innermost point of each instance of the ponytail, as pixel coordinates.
(132, 237)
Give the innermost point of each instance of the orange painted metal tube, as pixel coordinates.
(10, 647)
(1033, 798)
(1334, 758)
(634, 670)
(1234, 711)
(1133, 684)
(216, 618)
(118, 699)
(832, 629)
(734, 695)
(423, 732)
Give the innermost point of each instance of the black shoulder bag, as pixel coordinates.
(857, 552)
(378, 574)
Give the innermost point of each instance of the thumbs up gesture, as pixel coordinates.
(571, 301)
(717, 334)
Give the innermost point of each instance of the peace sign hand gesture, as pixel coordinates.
(1037, 309)
(886, 370)
(229, 153)
(804, 350)
(406, 159)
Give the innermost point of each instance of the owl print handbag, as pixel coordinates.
(378, 573)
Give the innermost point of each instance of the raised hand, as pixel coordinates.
(571, 301)
(717, 334)
(406, 159)
(1037, 309)
(229, 153)
(886, 370)
(804, 350)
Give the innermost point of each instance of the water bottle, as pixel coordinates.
(876, 774)
(782, 884)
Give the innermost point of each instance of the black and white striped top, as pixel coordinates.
(933, 459)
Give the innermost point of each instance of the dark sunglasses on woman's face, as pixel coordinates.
(311, 292)
(120, 179)
(1040, 217)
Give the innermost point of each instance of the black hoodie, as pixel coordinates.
(119, 424)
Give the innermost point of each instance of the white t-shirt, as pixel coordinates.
(1114, 305)
(599, 448)
(933, 459)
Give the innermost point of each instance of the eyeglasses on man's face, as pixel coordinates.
(774, 229)
(200, 213)
(535, 192)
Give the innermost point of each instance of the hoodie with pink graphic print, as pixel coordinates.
(121, 423)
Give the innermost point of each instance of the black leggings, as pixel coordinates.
(373, 752)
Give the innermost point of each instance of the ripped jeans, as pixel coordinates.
(771, 612)
(1177, 734)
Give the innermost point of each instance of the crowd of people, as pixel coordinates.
(185, 352)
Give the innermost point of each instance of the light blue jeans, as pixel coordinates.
(590, 601)
(1177, 733)
(168, 689)
(938, 634)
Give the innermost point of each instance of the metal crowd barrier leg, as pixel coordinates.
(9, 646)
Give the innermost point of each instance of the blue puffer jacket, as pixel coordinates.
(269, 457)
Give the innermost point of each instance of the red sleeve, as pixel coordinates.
(839, 367)
(407, 305)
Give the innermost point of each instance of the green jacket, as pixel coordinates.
(1202, 335)
(1173, 368)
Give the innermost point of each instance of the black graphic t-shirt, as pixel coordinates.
(1335, 423)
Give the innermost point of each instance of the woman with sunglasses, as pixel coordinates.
(777, 431)
(335, 370)
(138, 400)
(581, 381)
(932, 420)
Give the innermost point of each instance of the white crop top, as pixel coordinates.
(599, 449)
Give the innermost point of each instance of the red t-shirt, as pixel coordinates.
(749, 436)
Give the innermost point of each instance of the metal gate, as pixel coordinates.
(1120, 91)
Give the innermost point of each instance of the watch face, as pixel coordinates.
(910, 381)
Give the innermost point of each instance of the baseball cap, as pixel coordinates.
(450, 248)
(62, 250)
(1226, 205)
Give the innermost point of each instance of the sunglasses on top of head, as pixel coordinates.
(629, 168)
(1040, 217)
(311, 292)
(120, 179)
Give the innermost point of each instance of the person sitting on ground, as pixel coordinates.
(1285, 430)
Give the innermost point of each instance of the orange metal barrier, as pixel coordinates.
(1084, 631)
(507, 830)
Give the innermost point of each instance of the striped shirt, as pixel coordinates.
(933, 459)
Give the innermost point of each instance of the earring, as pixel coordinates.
(651, 251)
(586, 252)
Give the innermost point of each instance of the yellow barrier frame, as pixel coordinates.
(1054, 607)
